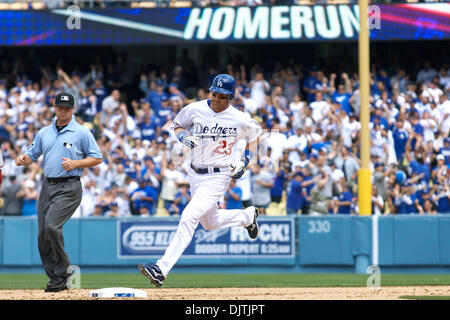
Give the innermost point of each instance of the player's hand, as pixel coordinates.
(187, 140)
(237, 170)
(190, 142)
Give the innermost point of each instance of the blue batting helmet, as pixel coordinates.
(224, 83)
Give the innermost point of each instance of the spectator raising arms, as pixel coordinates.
(309, 112)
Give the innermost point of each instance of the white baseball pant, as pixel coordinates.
(206, 191)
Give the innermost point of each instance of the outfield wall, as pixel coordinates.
(302, 244)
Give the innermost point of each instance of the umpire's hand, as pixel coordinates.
(23, 160)
(68, 164)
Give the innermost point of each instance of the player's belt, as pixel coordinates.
(204, 170)
(62, 179)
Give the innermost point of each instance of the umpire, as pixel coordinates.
(67, 147)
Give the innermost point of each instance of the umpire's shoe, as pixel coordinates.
(253, 229)
(56, 285)
(153, 273)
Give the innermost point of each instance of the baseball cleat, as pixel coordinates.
(253, 228)
(153, 273)
(57, 286)
(56, 289)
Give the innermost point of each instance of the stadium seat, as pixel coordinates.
(160, 210)
(338, 2)
(14, 6)
(277, 209)
(180, 4)
(38, 5)
(146, 4)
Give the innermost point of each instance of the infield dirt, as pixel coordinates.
(304, 293)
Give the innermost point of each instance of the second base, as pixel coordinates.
(118, 292)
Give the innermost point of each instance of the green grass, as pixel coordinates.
(175, 280)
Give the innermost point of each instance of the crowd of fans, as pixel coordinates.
(308, 157)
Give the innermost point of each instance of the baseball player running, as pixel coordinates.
(212, 130)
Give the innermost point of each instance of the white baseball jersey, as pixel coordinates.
(217, 133)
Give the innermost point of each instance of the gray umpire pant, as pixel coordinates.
(57, 203)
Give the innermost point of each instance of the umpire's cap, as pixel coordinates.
(64, 99)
